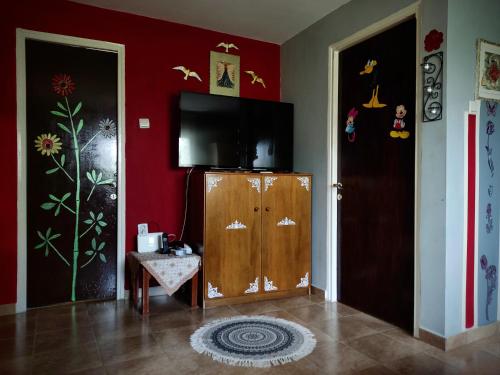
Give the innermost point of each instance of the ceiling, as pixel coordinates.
(273, 21)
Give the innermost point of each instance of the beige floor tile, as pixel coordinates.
(16, 326)
(255, 308)
(119, 329)
(373, 323)
(383, 348)
(62, 339)
(404, 337)
(313, 313)
(336, 357)
(54, 321)
(175, 342)
(376, 370)
(19, 365)
(469, 359)
(175, 319)
(16, 347)
(155, 365)
(422, 363)
(344, 328)
(339, 308)
(292, 303)
(112, 338)
(85, 357)
(127, 348)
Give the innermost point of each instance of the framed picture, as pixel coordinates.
(488, 70)
(224, 74)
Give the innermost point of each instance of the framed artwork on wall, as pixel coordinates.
(488, 70)
(224, 74)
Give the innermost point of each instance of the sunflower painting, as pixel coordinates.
(48, 144)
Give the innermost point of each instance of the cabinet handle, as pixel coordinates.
(256, 209)
(268, 209)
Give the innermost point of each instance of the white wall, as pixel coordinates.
(467, 21)
(304, 67)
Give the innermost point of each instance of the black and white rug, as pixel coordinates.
(253, 341)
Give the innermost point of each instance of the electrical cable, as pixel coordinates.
(186, 202)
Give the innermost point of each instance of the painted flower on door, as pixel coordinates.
(86, 246)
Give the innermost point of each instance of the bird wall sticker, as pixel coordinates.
(227, 46)
(187, 73)
(255, 78)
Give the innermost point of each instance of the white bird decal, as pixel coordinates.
(187, 72)
(227, 46)
(255, 78)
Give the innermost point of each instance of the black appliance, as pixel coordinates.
(229, 132)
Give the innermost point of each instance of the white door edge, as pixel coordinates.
(21, 36)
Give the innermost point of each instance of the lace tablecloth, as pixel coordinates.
(170, 271)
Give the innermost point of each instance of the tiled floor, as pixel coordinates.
(111, 338)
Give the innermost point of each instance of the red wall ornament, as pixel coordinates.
(433, 40)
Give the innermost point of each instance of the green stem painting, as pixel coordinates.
(49, 144)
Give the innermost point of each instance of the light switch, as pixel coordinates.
(144, 123)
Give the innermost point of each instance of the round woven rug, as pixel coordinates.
(253, 341)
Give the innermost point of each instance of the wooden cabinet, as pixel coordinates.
(254, 232)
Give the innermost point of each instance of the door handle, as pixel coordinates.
(256, 209)
(268, 209)
(338, 185)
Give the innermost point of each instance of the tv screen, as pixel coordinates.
(229, 132)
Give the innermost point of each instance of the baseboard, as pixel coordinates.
(153, 292)
(316, 290)
(456, 341)
(8, 309)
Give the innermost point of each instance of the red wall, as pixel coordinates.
(154, 187)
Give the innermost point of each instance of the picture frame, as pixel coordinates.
(224, 74)
(487, 67)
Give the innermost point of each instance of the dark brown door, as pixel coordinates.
(71, 101)
(286, 232)
(232, 239)
(376, 168)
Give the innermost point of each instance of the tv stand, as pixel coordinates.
(254, 233)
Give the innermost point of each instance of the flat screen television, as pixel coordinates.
(229, 132)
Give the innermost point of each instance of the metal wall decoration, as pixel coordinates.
(304, 281)
(236, 225)
(304, 182)
(254, 287)
(213, 292)
(285, 221)
(268, 285)
(432, 69)
(269, 181)
(255, 181)
(212, 182)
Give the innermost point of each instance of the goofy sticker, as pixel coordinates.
(399, 124)
(350, 129)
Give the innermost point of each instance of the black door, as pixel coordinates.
(71, 101)
(376, 169)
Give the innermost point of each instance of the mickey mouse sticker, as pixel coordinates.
(399, 124)
(350, 129)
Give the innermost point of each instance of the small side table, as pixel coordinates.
(170, 271)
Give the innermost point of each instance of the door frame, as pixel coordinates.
(21, 36)
(332, 149)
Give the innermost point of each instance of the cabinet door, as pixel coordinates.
(232, 235)
(286, 232)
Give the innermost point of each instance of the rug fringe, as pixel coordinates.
(306, 349)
